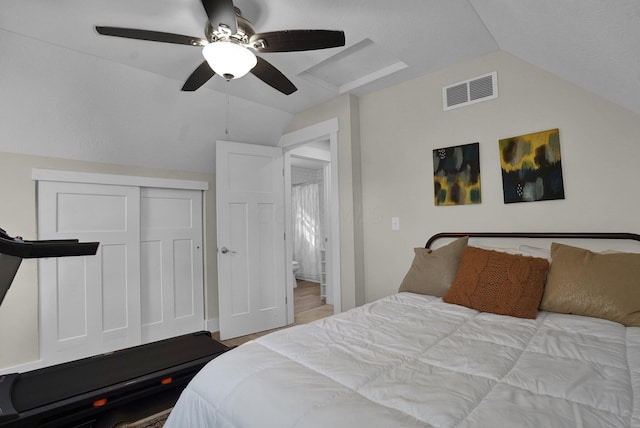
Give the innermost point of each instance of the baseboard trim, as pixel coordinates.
(21, 368)
(213, 324)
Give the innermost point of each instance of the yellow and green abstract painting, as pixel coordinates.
(531, 167)
(456, 175)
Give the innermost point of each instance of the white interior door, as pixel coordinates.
(171, 282)
(89, 305)
(250, 228)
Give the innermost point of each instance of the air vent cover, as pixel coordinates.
(470, 91)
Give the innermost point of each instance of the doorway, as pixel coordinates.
(310, 199)
(256, 172)
(320, 143)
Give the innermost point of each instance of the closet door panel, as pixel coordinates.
(71, 299)
(171, 245)
(114, 288)
(185, 300)
(151, 282)
(89, 305)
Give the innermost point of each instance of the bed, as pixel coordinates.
(413, 359)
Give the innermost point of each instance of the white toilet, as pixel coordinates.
(294, 268)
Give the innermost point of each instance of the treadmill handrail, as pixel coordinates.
(45, 248)
(13, 250)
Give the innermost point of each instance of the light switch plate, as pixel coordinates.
(395, 223)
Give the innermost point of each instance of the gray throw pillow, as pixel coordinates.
(433, 271)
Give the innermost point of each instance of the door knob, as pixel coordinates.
(225, 250)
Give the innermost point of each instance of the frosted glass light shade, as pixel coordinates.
(229, 59)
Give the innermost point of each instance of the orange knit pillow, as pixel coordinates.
(501, 283)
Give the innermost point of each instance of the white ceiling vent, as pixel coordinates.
(353, 67)
(471, 91)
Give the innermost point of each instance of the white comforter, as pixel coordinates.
(414, 361)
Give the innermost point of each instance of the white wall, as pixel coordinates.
(60, 109)
(60, 103)
(402, 125)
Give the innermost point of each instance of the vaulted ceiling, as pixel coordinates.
(592, 43)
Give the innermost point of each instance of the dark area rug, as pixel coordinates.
(153, 421)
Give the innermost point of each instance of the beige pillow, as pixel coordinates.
(499, 282)
(432, 271)
(594, 284)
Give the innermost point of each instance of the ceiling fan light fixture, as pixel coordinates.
(229, 59)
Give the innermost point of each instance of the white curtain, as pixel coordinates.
(307, 236)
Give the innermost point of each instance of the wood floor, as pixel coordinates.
(308, 306)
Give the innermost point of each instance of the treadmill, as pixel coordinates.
(102, 390)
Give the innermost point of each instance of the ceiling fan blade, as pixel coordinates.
(154, 36)
(297, 40)
(221, 12)
(199, 77)
(273, 77)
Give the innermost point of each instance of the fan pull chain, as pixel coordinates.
(226, 120)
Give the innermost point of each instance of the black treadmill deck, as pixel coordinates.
(74, 393)
(37, 397)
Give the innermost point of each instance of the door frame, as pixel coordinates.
(320, 131)
(39, 174)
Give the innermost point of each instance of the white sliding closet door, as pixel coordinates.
(89, 305)
(144, 284)
(171, 262)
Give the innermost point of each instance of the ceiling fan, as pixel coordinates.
(230, 44)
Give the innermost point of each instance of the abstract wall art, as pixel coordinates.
(456, 175)
(531, 167)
